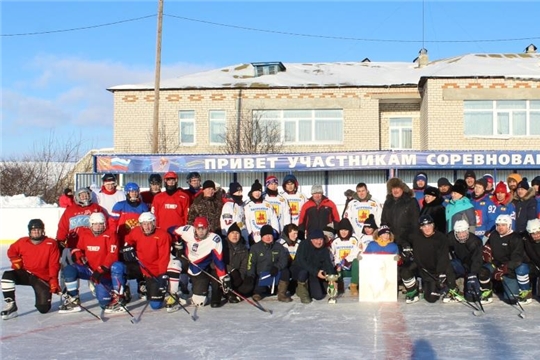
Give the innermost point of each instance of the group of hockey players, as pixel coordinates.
(466, 241)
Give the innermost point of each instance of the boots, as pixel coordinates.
(303, 292)
(282, 291)
(354, 289)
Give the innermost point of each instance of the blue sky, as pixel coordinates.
(53, 85)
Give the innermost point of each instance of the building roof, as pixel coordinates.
(356, 74)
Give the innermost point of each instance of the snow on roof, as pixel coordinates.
(352, 74)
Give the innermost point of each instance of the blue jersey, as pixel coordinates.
(507, 209)
(374, 248)
(485, 211)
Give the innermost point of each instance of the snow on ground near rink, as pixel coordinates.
(294, 331)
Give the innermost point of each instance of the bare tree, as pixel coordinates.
(45, 171)
(253, 135)
(168, 140)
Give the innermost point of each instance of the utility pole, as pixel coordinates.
(155, 123)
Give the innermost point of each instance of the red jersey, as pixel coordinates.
(152, 250)
(148, 197)
(99, 250)
(171, 210)
(73, 218)
(42, 260)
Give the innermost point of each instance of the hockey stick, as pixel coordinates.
(258, 306)
(176, 299)
(66, 296)
(513, 298)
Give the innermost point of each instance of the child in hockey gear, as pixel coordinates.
(345, 249)
(34, 262)
(332, 290)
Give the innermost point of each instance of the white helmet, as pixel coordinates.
(461, 225)
(533, 226)
(504, 219)
(146, 217)
(97, 218)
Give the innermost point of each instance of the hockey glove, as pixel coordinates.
(500, 272)
(407, 253)
(61, 244)
(99, 273)
(442, 281)
(163, 283)
(473, 286)
(78, 257)
(273, 271)
(345, 265)
(54, 286)
(487, 255)
(129, 253)
(16, 263)
(226, 284)
(178, 248)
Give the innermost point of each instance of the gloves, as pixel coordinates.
(163, 284)
(78, 257)
(473, 286)
(54, 286)
(16, 263)
(178, 248)
(129, 253)
(345, 265)
(442, 281)
(226, 284)
(487, 255)
(247, 285)
(407, 253)
(61, 244)
(500, 272)
(99, 273)
(273, 271)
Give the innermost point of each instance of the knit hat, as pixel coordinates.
(482, 182)
(271, 180)
(234, 227)
(316, 234)
(290, 178)
(515, 177)
(501, 188)
(433, 191)
(348, 193)
(267, 230)
(460, 187)
(470, 173)
(209, 184)
(523, 184)
(370, 222)
(256, 186)
(317, 189)
(489, 178)
(234, 187)
(443, 181)
(383, 230)
(535, 181)
(420, 176)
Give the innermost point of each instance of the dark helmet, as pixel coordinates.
(108, 177)
(155, 178)
(193, 175)
(36, 224)
(425, 220)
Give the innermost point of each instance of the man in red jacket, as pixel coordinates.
(318, 212)
(35, 262)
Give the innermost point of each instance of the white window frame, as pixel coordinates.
(217, 118)
(400, 129)
(285, 119)
(189, 118)
(498, 112)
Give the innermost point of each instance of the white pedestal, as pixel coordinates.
(378, 278)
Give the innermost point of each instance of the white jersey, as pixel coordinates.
(345, 249)
(364, 241)
(292, 249)
(358, 211)
(233, 213)
(107, 201)
(258, 215)
(202, 252)
(280, 208)
(294, 203)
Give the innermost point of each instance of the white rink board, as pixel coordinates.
(378, 278)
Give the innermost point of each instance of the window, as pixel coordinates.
(187, 127)
(267, 68)
(217, 127)
(304, 126)
(400, 133)
(504, 118)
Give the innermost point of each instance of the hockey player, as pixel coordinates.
(171, 206)
(503, 202)
(277, 201)
(34, 262)
(95, 258)
(126, 212)
(504, 258)
(108, 195)
(233, 210)
(193, 179)
(368, 230)
(268, 267)
(345, 249)
(204, 249)
(532, 249)
(155, 182)
(430, 262)
(484, 208)
(361, 207)
(150, 247)
(258, 212)
(466, 252)
(294, 198)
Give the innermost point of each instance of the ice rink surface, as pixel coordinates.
(319, 330)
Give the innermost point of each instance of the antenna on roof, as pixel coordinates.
(531, 49)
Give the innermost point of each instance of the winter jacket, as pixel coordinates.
(313, 216)
(208, 207)
(437, 211)
(525, 210)
(508, 249)
(313, 259)
(461, 209)
(401, 214)
(468, 253)
(532, 252)
(263, 256)
(235, 256)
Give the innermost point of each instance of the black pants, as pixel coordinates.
(202, 281)
(317, 287)
(41, 288)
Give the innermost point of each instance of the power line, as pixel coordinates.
(345, 37)
(79, 28)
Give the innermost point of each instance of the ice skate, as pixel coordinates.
(172, 303)
(116, 305)
(10, 309)
(70, 305)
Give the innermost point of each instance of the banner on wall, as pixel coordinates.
(369, 160)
